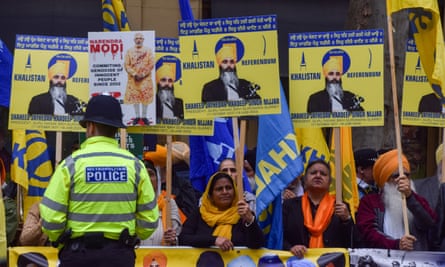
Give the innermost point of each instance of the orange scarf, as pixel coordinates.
(322, 219)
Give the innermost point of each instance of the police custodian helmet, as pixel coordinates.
(103, 109)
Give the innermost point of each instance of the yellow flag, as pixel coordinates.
(19, 173)
(31, 166)
(424, 17)
(349, 178)
(114, 16)
(312, 144)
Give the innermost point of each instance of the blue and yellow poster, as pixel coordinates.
(336, 78)
(49, 83)
(170, 108)
(229, 67)
(420, 105)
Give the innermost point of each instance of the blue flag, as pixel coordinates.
(5, 74)
(186, 10)
(207, 152)
(278, 163)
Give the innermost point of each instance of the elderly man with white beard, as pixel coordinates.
(333, 98)
(379, 216)
(167, 105)
(228, 86)
(56, 101)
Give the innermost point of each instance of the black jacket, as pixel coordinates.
(178, 108)
(195, 232)
(430, 103)
(43, 104)
(216, 91)
(320, 102)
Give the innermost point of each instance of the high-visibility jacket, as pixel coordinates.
(99, 188)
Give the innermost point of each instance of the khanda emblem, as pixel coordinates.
(420, 19)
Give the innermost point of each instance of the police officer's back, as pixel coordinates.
(100, 199)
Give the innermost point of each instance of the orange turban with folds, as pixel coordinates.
(155, 258)
(166, 70)
(60, 67)
(335, 63)
(180, 151)
(386, 165)
(227, 51)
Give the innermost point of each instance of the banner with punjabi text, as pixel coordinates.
(230, 67)
(121, 64)
(49, 83)
(170, 108)
(420, 104)
(336, 78)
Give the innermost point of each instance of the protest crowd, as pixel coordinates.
(291, 196)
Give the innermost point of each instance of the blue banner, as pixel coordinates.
(278, 164)
(5, 74)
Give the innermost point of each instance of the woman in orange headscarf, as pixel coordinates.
(314, 220)
(222, 220)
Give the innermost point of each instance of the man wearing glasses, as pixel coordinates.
(333, 98)
(167, 105)
(228, 86)
(379, 216)
(57, 101)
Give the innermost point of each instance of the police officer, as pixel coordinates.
(99, 201)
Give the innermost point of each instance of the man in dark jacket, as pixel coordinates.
(228, 86)
(57, 101)
(333, 97)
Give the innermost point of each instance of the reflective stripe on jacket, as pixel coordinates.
(100, 188)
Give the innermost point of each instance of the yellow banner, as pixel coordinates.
(230, 67)
(38, 60)
(174, 257)
(336, 78)
(420, 105)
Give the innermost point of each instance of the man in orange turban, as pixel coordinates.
(379, 216)
(167, 105)
(56, 100)
(333, 97)
(228, 86)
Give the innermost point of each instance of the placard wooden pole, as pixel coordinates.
(396, 114)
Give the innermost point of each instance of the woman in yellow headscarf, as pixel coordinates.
(222, 220)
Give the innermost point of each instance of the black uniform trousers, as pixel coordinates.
(104, 253)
